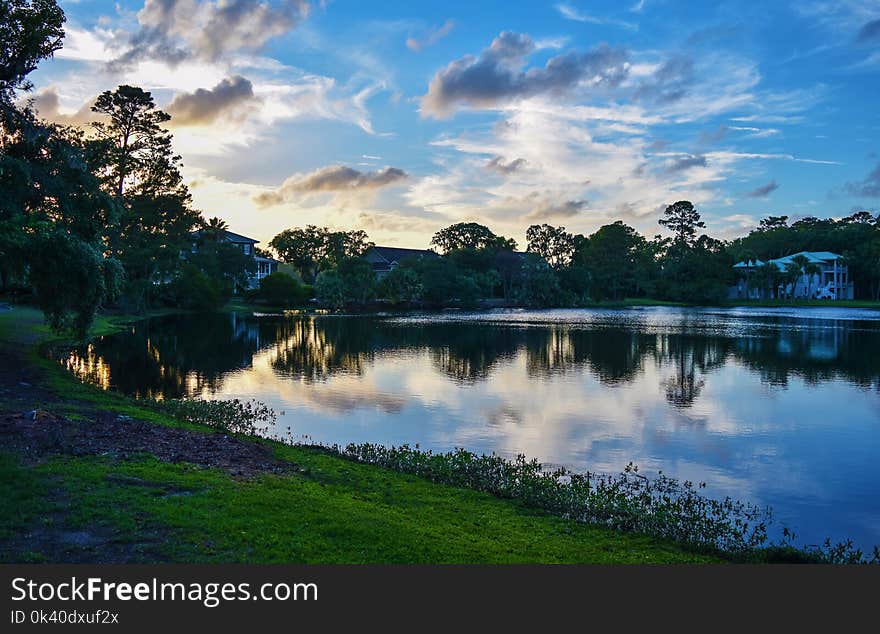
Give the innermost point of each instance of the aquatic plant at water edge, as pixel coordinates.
(661, 507)
(234, 415)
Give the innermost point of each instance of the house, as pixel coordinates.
(264, 266)
(386, 259)
(831, 282)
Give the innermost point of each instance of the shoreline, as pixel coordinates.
(79, 499)
(626, 303)
(70, 402)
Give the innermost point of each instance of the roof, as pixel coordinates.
(748, 265)
(397, 254)
(232, 237)
(813, 256)
(816, 257)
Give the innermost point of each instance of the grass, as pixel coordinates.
(334, 512)
(331, 511)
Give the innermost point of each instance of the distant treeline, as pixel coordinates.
(559, 268)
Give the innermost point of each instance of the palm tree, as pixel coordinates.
(801, 261)
(769, 274)
(759, 279)
(790, 276)
(214, 229)
(842, 262)
(749, 258)
(811, 269)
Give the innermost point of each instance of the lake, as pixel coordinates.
(772, 406)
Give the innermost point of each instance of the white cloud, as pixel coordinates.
(570, 12)
(431, 37)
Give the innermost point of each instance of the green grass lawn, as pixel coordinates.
(334, 512)
(330, 511)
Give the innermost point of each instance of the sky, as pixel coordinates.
(401, 118)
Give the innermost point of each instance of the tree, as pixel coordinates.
(301, 248)
(280, 289)
(790, 276)
(132, 146)
(358, 278)
(751, 260)
(576, 282)
(772, 276)
(214, 229)
(402, 284)
(133, 157)
(194, 289)
(341, 245)
(223, 262)
(30, 31)
(801, 261)
(696, 273)
(811, 270)
(509, 266)
(647, 264)
(683, 220)
(553, 244)
(772, 223)
(766, 278)
(439, 277)
(71, 279)
(610, 256)
(330, 289)
(539, 285)
(864, 265)
(52, 210)
(465, 235)
(312, 249)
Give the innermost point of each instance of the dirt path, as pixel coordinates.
(32, 431)
(30, 427)
(38, 434)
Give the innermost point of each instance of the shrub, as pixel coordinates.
(402, 284)
(234, 416)
(358, 278)
(539, 284)
(195, 290)
(330, 289)
(663, 507)
(280, 289)
(71, 279)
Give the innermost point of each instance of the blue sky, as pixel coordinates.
(401, 118)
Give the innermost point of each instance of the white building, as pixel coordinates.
(831, 282)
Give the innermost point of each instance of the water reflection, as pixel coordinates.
(774, 408)
(183, 356)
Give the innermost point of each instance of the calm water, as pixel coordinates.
(778, 407)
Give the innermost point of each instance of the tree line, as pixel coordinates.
(559, 268)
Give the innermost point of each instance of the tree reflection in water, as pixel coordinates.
(183, 355)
